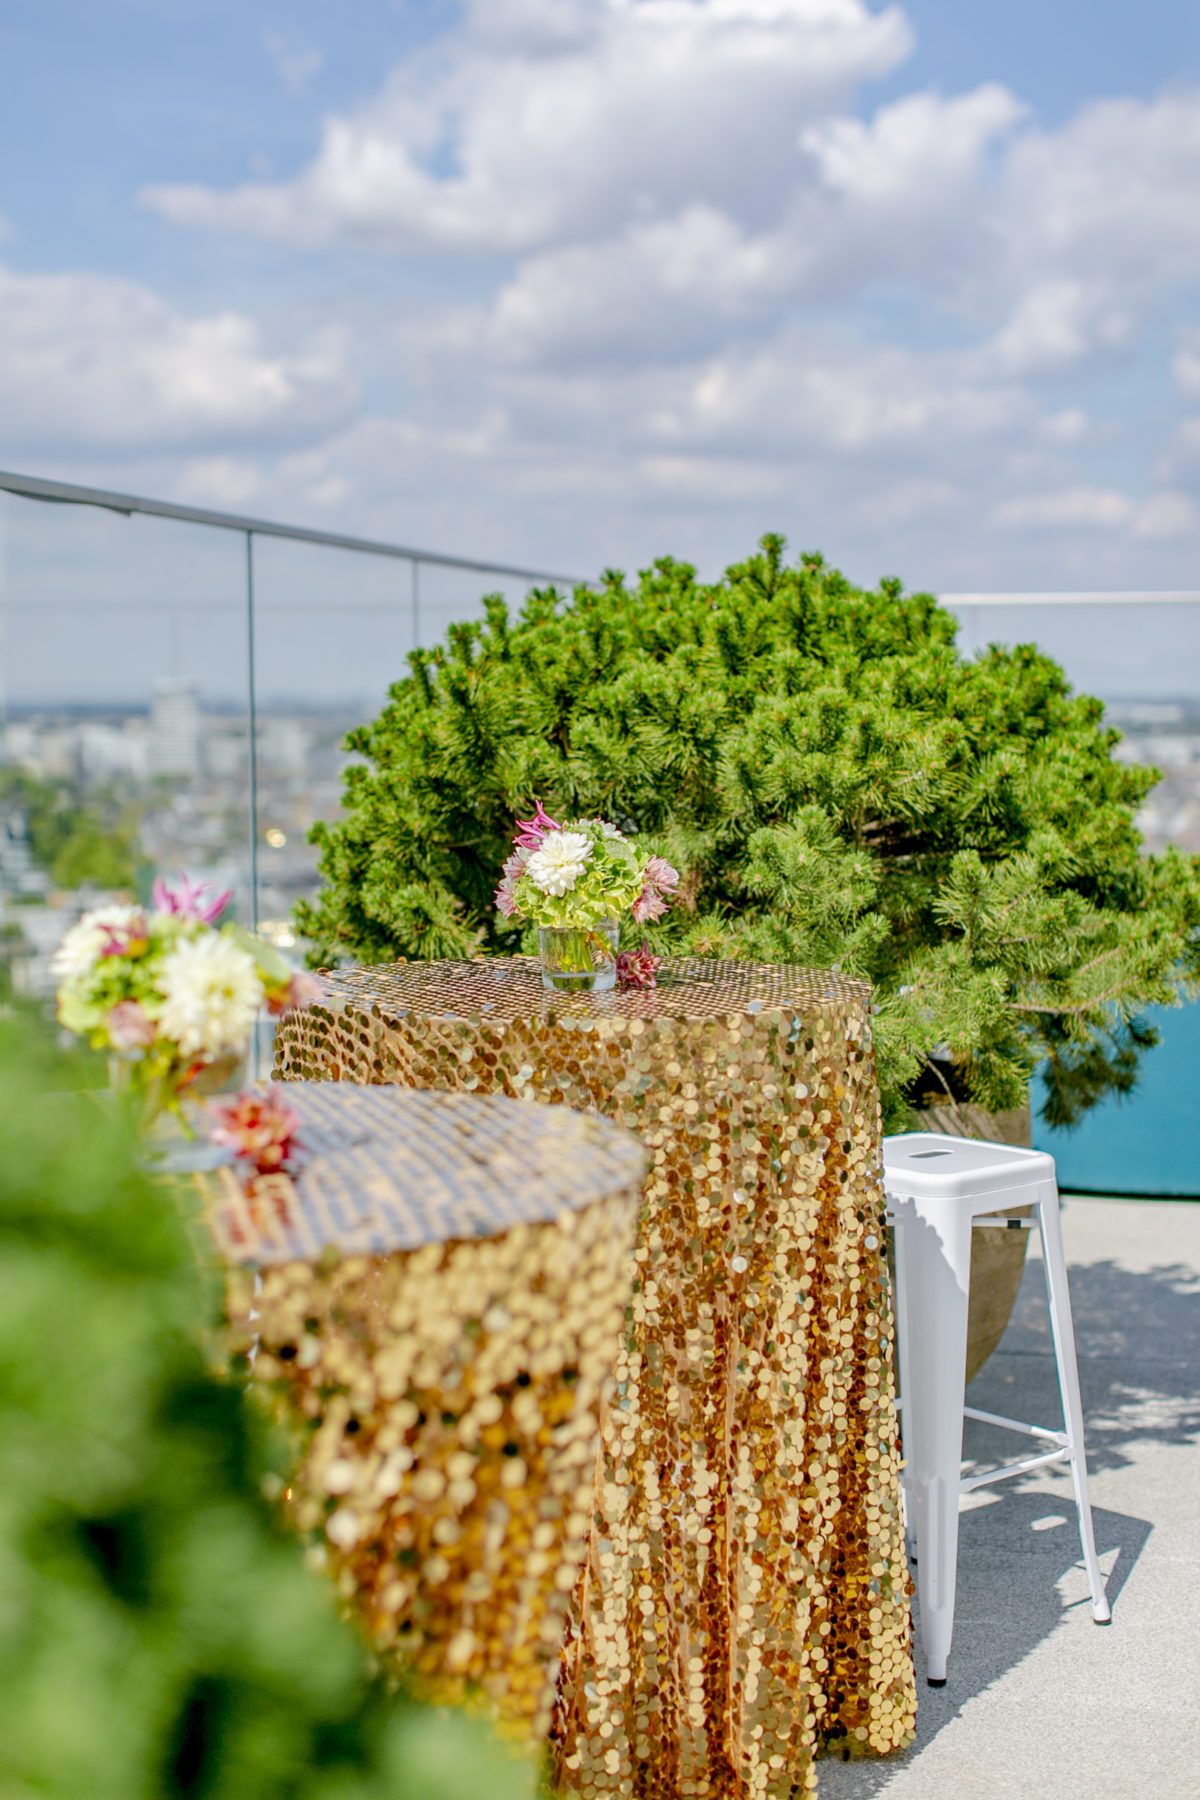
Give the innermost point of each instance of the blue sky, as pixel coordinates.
(581, 282)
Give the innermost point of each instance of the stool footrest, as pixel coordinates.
(968, 1482)
(1002, 1221)
(1037, 1431)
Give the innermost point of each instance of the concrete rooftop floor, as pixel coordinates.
(1041, 1703)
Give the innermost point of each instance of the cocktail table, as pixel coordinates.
(435, 1303)
(745, 1596)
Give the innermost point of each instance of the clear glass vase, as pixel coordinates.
(579, 961)
(171, 1118)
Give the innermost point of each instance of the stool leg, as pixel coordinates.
(903, 1381)
(937, 1272)
(1054, 1257)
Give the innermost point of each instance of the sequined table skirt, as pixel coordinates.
(441, 1294)
(744, 1602)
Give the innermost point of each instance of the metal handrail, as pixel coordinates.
(68, 493)
(1095, 597)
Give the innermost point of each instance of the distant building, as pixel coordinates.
(176, 727)
(50, 751)
(283, 745)
(107, 751)
(19, 874)
(1145, 714)
(225, 754)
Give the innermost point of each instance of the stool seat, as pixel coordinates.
(938, 1190)
(963, 1169)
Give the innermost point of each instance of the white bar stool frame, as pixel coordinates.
(938, 1190)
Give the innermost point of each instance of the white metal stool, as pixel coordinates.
(938, 1190)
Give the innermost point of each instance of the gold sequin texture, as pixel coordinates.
(442, 1290)
(744, 1604)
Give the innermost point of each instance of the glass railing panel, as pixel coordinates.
(1143, 659)
(447, 595)
(333, 630)
(124, 746)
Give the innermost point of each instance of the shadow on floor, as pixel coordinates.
(1138, 1342)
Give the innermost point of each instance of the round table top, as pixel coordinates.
(391, 1169)
(503, 989)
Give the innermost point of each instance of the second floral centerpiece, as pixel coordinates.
(575, 882)
(169, 995)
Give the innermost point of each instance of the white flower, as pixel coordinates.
(80, 949)
(608, 830)
(558, 864)
(211, 992)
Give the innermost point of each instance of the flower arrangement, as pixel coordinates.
(574, 881)
(169, 994)
(260, 1129)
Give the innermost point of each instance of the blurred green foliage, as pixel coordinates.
(75, 843)
(160, 1637)
(839, 785)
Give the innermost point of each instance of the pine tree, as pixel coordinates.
(841, 787)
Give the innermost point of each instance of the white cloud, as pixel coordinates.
(1112, 193)
(1169, 514)
(667, 173)
(1093, 228)
(907, 500)
(921, 149)
(1186, 366)
(519, 132)
(807, 388)
(1091, 508)
(294, 63)
(1057, 324)
(95, 361)
(667, 288)
(226, 482)
(709, 480)
(1066, 427)
(708, 284)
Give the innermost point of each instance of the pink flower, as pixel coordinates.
(259, 1128)
(659, 883)
(127, 939)
(638, 968)
(530, 832)
(506, 896)
(130, 1026)
(191, 899)
(302, 990)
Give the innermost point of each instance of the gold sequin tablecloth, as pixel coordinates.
(442, 1292)
(745, 1597)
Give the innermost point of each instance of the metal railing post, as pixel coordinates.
(252, 731)
(4, 512)
(416, 602)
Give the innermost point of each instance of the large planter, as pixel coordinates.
(997, 1257)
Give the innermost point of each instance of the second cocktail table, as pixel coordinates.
(745, 1598)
